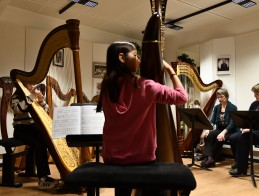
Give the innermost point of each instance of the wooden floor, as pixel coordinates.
(212, 183)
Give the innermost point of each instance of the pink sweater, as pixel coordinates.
(129, 133)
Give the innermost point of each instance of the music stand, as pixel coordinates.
(248, 119)
(196, 119)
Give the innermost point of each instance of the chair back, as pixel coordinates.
(7, 88)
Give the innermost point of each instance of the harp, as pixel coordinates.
(186, 69)
(64, 36)
(152, 68)
(52, 83)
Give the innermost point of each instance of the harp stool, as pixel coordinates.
(94, 175)
(169, 176)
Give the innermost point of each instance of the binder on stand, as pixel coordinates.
(194, 118)
(248, 119)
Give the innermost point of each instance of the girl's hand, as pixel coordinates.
(168, 68)
(38, 95)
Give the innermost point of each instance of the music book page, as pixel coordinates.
(77, 120)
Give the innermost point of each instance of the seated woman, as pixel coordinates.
(224, 127)
(242, 140)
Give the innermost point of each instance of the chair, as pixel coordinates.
(169, 176)
(9, 143)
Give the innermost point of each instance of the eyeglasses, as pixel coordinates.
(221, 97)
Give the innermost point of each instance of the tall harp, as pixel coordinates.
(152, 68)
(64, 36)
(186, 69)
(52, 83)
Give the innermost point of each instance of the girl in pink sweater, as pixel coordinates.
(129, 105)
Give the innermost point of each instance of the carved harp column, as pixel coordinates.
(64, 36)
(187, 70)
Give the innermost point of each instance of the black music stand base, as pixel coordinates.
(194, 118)
(253, 179)
(245, 119)
(252, 157)
(193, 159)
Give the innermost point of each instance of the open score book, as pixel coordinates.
(77, 119)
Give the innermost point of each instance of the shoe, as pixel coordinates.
(238, 172)
(47, 183)
(208, 162)
(203, 163)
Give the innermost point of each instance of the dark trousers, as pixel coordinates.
(243, 149)
(233, 139)
(213, 147)
(33, 137)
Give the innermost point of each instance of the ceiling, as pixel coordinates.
(129, 18)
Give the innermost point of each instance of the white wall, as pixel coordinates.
(11, 55)
(225, 47)
(209, 54)
(247, 68)
(206, 72)
(244, 65)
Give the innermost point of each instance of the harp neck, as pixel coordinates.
(64, 36)
(186, 69)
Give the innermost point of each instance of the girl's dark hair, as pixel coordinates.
(114, 70)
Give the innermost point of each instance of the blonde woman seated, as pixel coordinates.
(224, 127)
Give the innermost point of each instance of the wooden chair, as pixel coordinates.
(9, 143)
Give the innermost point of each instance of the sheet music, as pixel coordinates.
(77, 120)
(92, 121)
(66, 120)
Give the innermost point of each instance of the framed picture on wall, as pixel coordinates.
(97, 86)
(99, 70)
(58, 59)
(223, 65)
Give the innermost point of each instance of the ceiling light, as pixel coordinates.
(83, 2)
(173, 26)
(244, 3)
(86, 2)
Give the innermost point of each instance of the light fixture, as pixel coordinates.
(83, 2)
(86, 2)
(173, 26)
(244, 3)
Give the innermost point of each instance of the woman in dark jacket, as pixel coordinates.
(242, 140)
(223, 128)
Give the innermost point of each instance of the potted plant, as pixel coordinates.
(185, 58)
